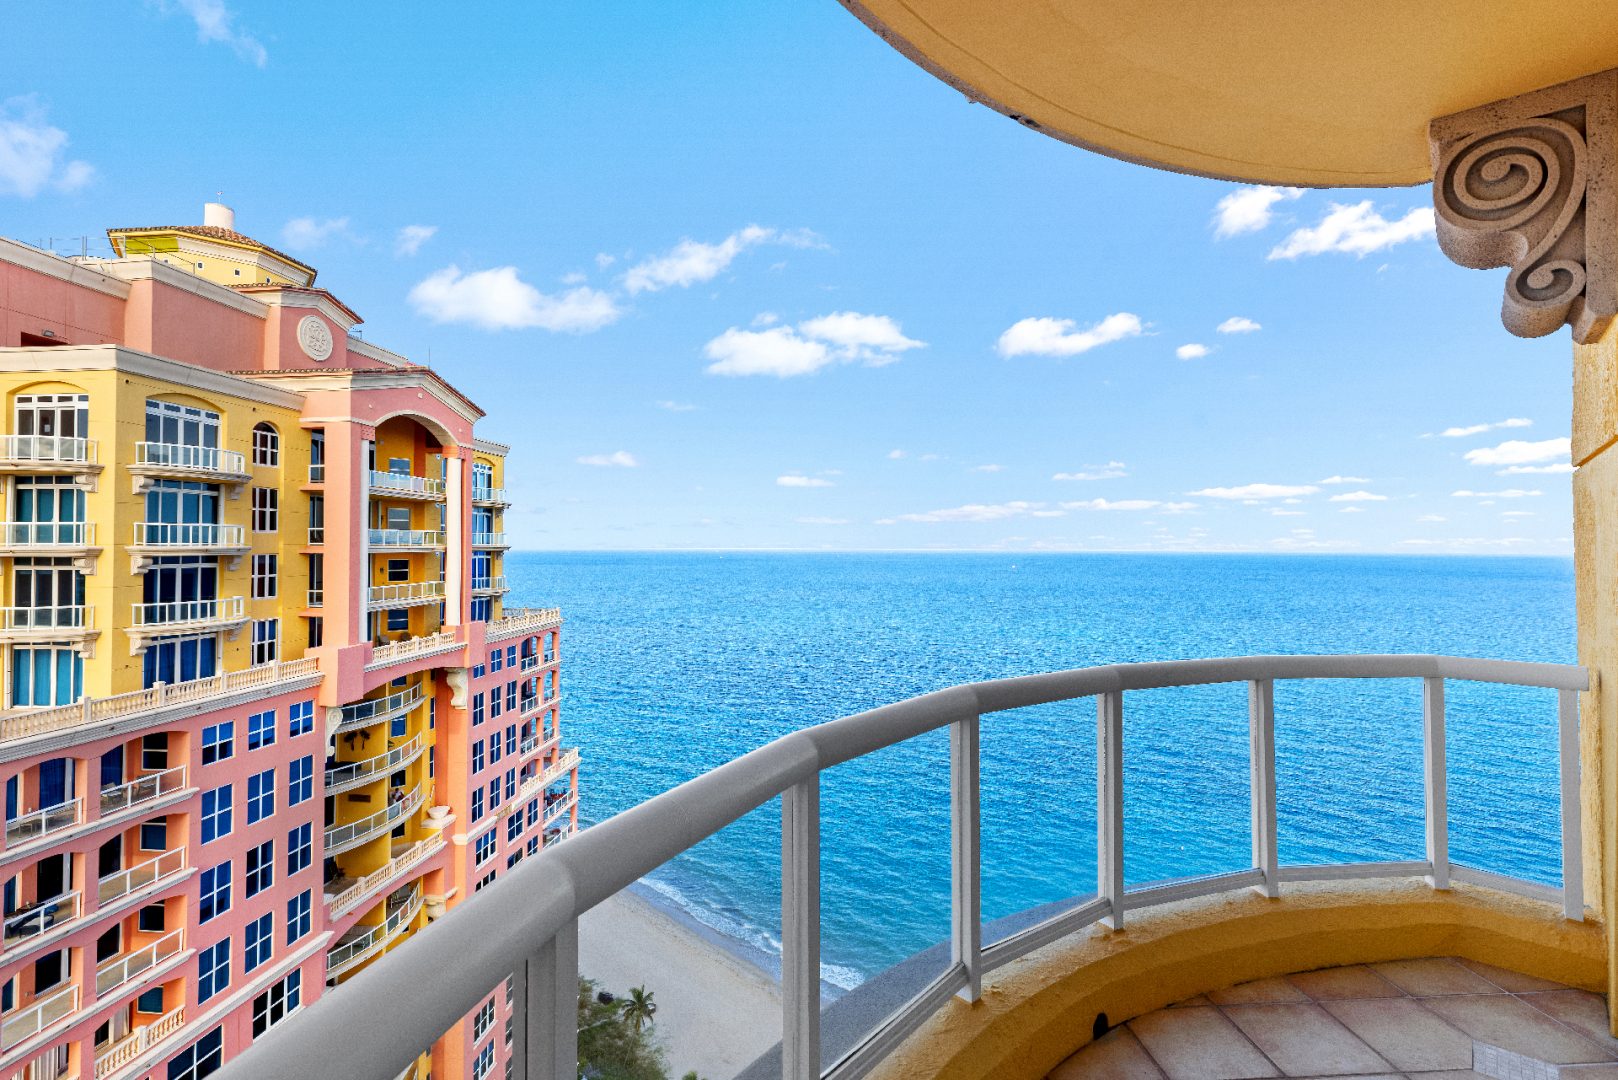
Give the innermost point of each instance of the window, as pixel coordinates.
(494, 748)
(398, 569)
(277, 1003)
(511, 739)
(483, 1064)
(264, 577)
(478, 671)
(533, 844)
(477, 755)
(261, 729)
(213, 970)
(203, 1058)
(154, 752)
(266, 635)
(398, 725)
(477, 805)
(485, 880)
(511, 656)
(180, 659)
(317, 520)
(398, 619)
(511, 783)
(258, 942)
(216, 820)
(477, 709)
(260, 871)
(266, 446)
(218, 742)
(151, 919)
(300, 779)
(49, 417)
(514, 826)
(317, 457)
(215, 892)
(533, 812)
(494, 703)
(298, 916)
(511, 696)
(513, 859)
(266, 510)
(260, 795)
(181, 425)
(300, 719)
(151, 1001)
(495, 658)
(485, 847)
(317, 632)
(494, 794)
(483, 1021)
(154, 835)
(300, 848)
(46, 676)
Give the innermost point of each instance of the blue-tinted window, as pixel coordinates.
(260, 869)
(216, 813)
(300, 718)
(300, 780)
(298, 916)
(215, 887)
(261, 729)
(300, 848)
(213, 972)
(477, 709)
(218, 742)
(259, 941)
(202, 1058)
(260, 795)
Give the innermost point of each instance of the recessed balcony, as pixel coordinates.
(46, 1010)
(47, 537)
(32, 923)
(353, 774)
(142, 877)
(171, 537)
(137, 1042)
(340, 838)
(345, 894)
(117, 798)
(47, 454)
(404, 594)
(362, 942)
(387, 485)
(380, 710)
(405, 539)
(165, 617)
(75, 622)
(39, 824)
(113, 973)
(180, 462)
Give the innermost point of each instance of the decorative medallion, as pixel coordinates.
(315, 337)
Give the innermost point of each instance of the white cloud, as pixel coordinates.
(1479, 429)
(1249, 209)
(1238, 324)
(1058, 337)
(1525, 470)
(1432, 517)
(691, 262)
(675, 406)
(618, 459)
(1278, 512)
(1518, 452)
(821, 521)
(785, 351)
(1508, 493)
(305, 233)
(766, 318)
(976, 512)
(1258, 491)
(1356, 230)
(796, 481)
(603, 260)
(1129, 504)
(895, 455)
(499, 300)
(1516, 513)
(1192, 351)
(1467, 542)
(32, 151)
(1110, 471)
(1343, 480)
(988, 468)
(1358, 496)
(411, 237)
(216, 22)
(575, 277)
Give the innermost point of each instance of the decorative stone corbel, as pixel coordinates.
(1530, 183)
(455, 679)
(334, 720)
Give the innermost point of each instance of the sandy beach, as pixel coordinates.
(715, 1011)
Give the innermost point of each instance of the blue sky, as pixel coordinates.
(737, 275)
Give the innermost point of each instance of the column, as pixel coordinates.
(454, 537)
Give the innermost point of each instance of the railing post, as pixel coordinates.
(800, 931)
(966, 900)
(1110, 805)
(545, 1001)
(1436, 781)
(1572, 821)
(1261, 758)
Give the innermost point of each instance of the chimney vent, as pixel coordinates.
(218, 215)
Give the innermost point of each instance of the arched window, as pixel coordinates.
(266, 445)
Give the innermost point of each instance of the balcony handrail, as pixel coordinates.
(488, 494)
(120, 969)
(341, 903)
(52, 449)
(46, 914)
(188, 534)
(62, 617)
(142, 789)
(166, 612)
(26, 828)
(405, 590)
(348, 953)
(124, 882)
(371, 1031)
(137, 1042)
(420, 485)
(340, 838)
(74, 534)
(346, 774)
(40, 1014)
(488, 539)
(491, 582)
(406, 537)
(376, 710)
(196, 458)
(411, 647)
(514, 621)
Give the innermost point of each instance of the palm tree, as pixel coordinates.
(639, 1008)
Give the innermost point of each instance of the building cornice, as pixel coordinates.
(82, 274)
(142, 268)
(309, 380)
(484, 446)
(361, 347)
(275, 295)
(55, 359)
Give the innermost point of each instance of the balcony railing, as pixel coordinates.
(122, 883)
(192, 535)
(406, 538)
(46, 450)
(47, 534)
(191, 459)
(350, 774)
(142, 789)
(317, 472)
(317, 535)
(42, 917)
(317, 598)
(544, 907)
(340, 838)
(517, 621)
(403, 484)
(543, 779)
(120, 969)
(169, 612)
(51, 1006)
(125, 1050)
(405, 593)
(77, 617)
(489, 539)
(494, 583)
(494, 495)
(341, 903)
(411, 648)
(368, 940)
(26, 828)
(380, 710)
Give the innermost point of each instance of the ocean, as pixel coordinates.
(676, 663)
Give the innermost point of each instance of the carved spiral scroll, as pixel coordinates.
(1513, 198)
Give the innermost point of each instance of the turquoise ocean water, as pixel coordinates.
(676, 663)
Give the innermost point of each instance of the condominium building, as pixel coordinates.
(267, 714)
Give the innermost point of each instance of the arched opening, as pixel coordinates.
(266, 446)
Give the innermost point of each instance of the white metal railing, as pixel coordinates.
(488, 539)
(353, 773)
(45, 534)
(493, 583)
(316, 598)
(380, 710)
(73, 617)
(405, 592)
(137, 1042)
(404, 483)
(371, 1031)
(44, 1011)
(25, 828)
(399, 538)
(208, 459)
(412, 647)
(489, 494)
(317, 535)
(556, 811)
(142, 789)
(46, 915)
(168, 612)
(188, 534)
(120, 969)
(121, 883)
(342, 837)
(317, 472)
(515, 621)
(562, 766)
(47, 449)
(348, 953)
(341, 903)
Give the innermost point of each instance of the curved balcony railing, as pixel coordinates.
(46, 619)
(44, 916)
(121, 1053)
(117, 798)
(342, 837)
(46, 450)
(403, 484)
(47, 534)
(226, 609)
(372, 939)
(165, 867)
(406, 538)
(196, 459)
(190, 535)
(351, 896)
(113, 973)
(371, 1031)
(380, 710)
(351, 774)
(47, 1009)
(404, 594)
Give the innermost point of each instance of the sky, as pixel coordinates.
(738, 275)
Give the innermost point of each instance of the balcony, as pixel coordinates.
(488, 586)
(362, 942)
(389, 485)
(142, 790)
(352, 774)
(404, 594)
(177, 461)
(489, 540)
(167, 867)
(182, 616)
(317, 472)
(47, 623)
(47, 537)
(406, 539)
(351, 893)
(489, 496)
(341, 838)
(543, 779)
(317, 535)
(519, 621)
(113, 973)
(137, 1042)
(380, 710)
(45, 916)
(413, 648)
(46, 454)
(169, 537)
(49, 1008)
(31, 827)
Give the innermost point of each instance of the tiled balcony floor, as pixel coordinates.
(1407, 1018)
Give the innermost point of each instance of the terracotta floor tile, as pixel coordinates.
(1332, 984)
(1117, 1055)
(1305, 1040)
(1578, 1009)
(1199, 1044)
(1513, 1025)
(1405, 1033)
(1434, 976)
(1514, 981)
(1259, 991)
